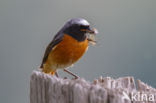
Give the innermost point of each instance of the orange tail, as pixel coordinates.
(48, 70)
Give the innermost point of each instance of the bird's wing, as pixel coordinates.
(57, 38)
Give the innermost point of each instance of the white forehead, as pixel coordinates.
(83, 22)
(79, 21)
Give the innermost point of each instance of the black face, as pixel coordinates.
(78, 31)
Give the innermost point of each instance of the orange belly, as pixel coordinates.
(66, 53)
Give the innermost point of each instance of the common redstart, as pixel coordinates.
(67, 46)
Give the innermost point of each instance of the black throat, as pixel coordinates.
(76, 34)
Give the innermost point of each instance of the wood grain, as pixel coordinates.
(45, 88)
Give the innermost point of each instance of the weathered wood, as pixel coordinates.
(45, 88)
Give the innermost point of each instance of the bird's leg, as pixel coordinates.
(56, 74)
(71, 73)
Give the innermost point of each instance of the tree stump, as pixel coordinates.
(45, 88)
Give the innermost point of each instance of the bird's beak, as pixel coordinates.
(92, 31)
(91, 37)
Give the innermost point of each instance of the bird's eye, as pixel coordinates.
(84, 27)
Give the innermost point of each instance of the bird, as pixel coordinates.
(68, 46)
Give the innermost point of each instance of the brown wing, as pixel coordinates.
(57, 39)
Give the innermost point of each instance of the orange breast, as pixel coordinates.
(67, 52)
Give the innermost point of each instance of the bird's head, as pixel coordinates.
(78, 28)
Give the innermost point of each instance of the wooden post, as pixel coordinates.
(45, 88)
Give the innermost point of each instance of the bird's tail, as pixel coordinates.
(47, 69)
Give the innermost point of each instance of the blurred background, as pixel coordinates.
(126, 40)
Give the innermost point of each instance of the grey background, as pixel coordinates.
(126, 40)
